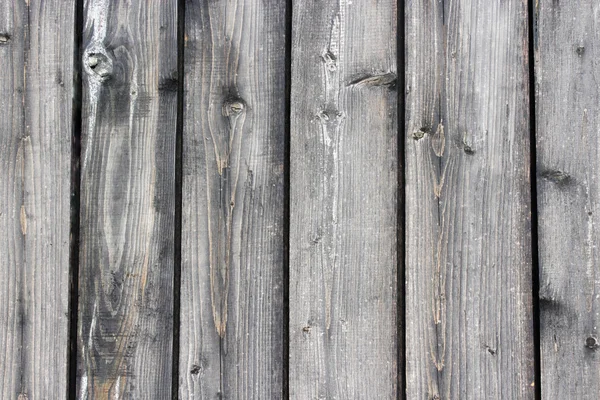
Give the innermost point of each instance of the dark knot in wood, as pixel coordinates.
(99, 65)
(330, 61)
(233, 106)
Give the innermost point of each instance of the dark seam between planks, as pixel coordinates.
(178, 200)
(286, 202)
(535, 273)
(401, 199)
(75, 199)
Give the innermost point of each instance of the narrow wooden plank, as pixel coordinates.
(343, 227)
(231, 336)
(568, 185)
(127, 199)
(36, 91)
(469, 311)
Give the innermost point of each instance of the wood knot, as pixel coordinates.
(4, 38)
(330, 61)
(491, 350)
(330, 116)
(418, 135)
(467, 148)
(169, 83)
(195, 369)
(591, 342)
(580, 50)
(557, 177)
(233, 106)
(98, 64)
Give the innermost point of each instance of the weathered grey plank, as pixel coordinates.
(468, 250)
(343, 225)
(568, 161)
(127, 199)
(36, 90)
(231, 335)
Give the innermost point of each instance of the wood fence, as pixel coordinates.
(303, 199)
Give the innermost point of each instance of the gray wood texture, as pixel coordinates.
(36, 90)
(568, 120)
(127, 207)
(231, 334)
(343, 203)
(468, 248)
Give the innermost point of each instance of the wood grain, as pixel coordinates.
(231, 335)
(36, 91)
(127, 199)
(343, 225)
(566, 69)
(468, 249)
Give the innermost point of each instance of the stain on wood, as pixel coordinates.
(567, 123)
(343, 225)
(35, 157)
(468, 241)
(127, 200)
(231, 336)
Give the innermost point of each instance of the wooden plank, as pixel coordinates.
(36, 91)
(568, 160)
(231, 336)
(343, 201)
(468, 250)
(127, 199)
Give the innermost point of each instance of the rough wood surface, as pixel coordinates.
(343, 225)
(568, 185)
(469, 311)
(231, 335)
(127, 199)
(36, 90)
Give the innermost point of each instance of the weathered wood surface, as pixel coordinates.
(468, 249)
(568, 184)
(231, 334)
(343, 202)
(127, 199)
(36, 60)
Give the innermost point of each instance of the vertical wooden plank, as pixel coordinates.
(343, 227)
(469, 311)
(127, 199)
(568, 188)
(231, 335)
(36, 90)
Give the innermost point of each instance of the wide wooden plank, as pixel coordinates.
(36, 91)
(231, 334)
(468, 249)
(568, 186)
(127, 199)
(343, 202)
